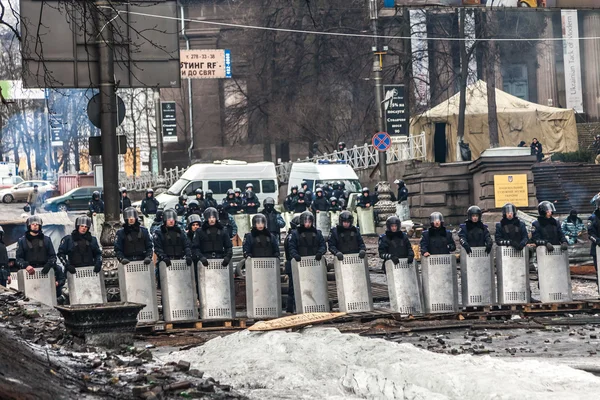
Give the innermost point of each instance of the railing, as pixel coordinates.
(366, 156)
(150, 180)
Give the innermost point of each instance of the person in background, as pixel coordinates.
(320, 202)
(34, 199)
(334, 205)
(402, 190)
(171, 242)
(536, 149)
(232, 203)
(274, 219)
(96, 205)
(194, 221)
(124, 202)
(157, 221)
(149, 205)
(4, 269)
(291, 198)
(250, 201)
(301, 204)
(227, 221)
(181, 206)
(308, 196)
(193, 208)
(209, 201)
(200, 199)
(573, 227)
(522, 143)
(364, 200)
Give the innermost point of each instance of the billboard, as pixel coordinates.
(205, 64)
(13, 90)
(566, 4)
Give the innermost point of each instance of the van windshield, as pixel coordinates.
(177, 187)
(351, 185)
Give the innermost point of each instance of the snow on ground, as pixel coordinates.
(322, 363)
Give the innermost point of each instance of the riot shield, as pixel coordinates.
(404, 287)
(86, 286)
(554, 275)
(263, 288)
(137, 284)
(334, 217)
(366, 221)
(243, 224)
(216, 292)
(403, 211)
(353, 284)
(440, 283)
(477, 277)
(512, 266)
(39, 287)
(14, 281)
(97, 221)
(178, 291)
(310, 285)
(323, 222)
(287, 217)
(148, 221)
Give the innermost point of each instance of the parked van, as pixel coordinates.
(221, 176)
(324, 171)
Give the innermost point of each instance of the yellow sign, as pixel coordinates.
(511, 189)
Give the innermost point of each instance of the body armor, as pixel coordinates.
(262, 246)
(307, 243)
(81, 256)
(348, 242)
(36, 252)
(173, 244)
(135, 245)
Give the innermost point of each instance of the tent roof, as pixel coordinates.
(477, 104)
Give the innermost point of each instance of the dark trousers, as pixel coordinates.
(291, 298)
(33, 210)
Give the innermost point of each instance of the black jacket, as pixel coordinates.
(67, 246)
(297, 240)
(395, 244)
(149, 206)
(162, 248)
(133, 230)
(353, 244)
(513, 230)
(124, 203)
(547, 230)
(250, 239)
(437, 241)
(475, 234)
(202, 243)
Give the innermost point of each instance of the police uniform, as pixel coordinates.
(260, 244)
(133, 243)
(511, 232)
(345, 240)
(395, 245)
(212, 242)
(437, 241)
(38, 251)
(475, 234)
(171, 243)
(77, 250)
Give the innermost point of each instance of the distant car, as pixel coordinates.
(74, 199)
(21, 191)
(9, 181)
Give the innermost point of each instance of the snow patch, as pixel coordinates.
(324, 363)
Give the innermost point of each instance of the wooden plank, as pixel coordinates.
(294, 321)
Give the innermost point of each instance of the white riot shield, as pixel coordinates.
(310, 285)
(597, 273)
(149, 220)
(477, 278)
(97, 221)
(216, 292)
(440, 283)
(86, 286)
(137, 284)
(287, 217)
(554, 275)
(366, 221)
(39, 287)
(404, 287)
(178, 291)
(324, 222)
(334, 217)
(353, 284)
(402, 211)
(512, 266)
(14, 281)
(263, 288)
(243, 224)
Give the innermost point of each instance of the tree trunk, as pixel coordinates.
(491, 59)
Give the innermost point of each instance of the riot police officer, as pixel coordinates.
(306, 240)
(35, 250)
(181, 206)
(231, 203)
(291, 198)
(250, 202)
(125, 202)
(320, 203)
(200, 200)
(209, 201)
(474, 233)
(364, 200)
(259, 242)
(511, 231)
(149, 205)
(394, 244)
(133, 242)
(193, 208)
(594, 229)
(345, 238)
(227, 221)
(212, 239)
(546, 230)
(402, 190)
(157, 222)
(4, 269)
(171, 242)
(437, 240)
(308, 196)
(96, 205)
(291, 300)
(274, 219)
(80, 248)
(301, 203)
(194, 221)
(338, 193)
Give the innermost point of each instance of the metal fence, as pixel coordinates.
(150, 180)
(367, 156)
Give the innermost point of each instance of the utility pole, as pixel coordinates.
(377, 68)
(108, 121)
(159, 137)
(464, 70)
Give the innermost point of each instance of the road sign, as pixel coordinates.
(382, 141)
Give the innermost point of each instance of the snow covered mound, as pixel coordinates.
(322, 363)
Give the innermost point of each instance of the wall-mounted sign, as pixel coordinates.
(205, 64)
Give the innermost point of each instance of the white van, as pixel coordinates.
(221, 176)
(324, 171)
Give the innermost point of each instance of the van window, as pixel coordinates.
(220, 187)
(190, 190)
(351, 185)
(310, 182)
(269, 186)
(255, 183)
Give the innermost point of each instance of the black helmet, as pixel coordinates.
(158, 217)
(169, 214)
(193, 218)
(318, 186)
(237, 190)
(436, 216)
(341, 145)
(319, 190)
(230, 192)
(34, 219)
(301, 192)
(333, 199)
(210, 212)
(544, 207)
(199, 192)
(248, 192)
(365, 189)
(193, 205)
(393, 220)
(474, 210)
(83, 220)
(209, 193)
(183, 197)
(249, 186)
(399, 182)
(345, 216)
(306, 216)
(269, 201)
(96, 195)
(294, 187)
(303, 183)
(130, 212)
(509, 208)
(256, 218)
(295, 222)
(149, 190)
